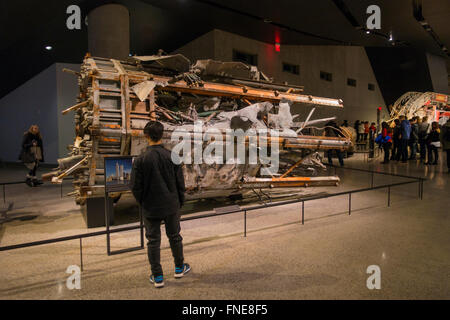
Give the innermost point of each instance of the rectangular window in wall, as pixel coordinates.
(248, 58)
(371, 87)
(291, 68)
(326, 76)
(351, 82)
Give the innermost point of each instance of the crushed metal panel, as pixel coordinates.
(143, 89)
(176, 62)
(211, 67)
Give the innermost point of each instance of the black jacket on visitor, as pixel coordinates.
(414, 133)
(157, 183)
(27, 142)
(396, 133)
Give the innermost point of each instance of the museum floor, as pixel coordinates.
(326, 258)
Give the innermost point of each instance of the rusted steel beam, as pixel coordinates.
(77, 106)
(289, 182)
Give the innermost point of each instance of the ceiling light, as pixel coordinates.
(368, 31)
(48, 48)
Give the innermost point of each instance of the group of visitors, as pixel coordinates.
(413, 139)
(403, 140)
(364, 131)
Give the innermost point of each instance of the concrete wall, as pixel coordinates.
(200, 48)
(437, 67)
(40, 101)
(342, 61)
(34, 102)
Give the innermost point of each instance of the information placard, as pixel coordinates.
(118, 173)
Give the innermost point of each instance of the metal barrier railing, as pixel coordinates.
(107, 232)
(4, 184)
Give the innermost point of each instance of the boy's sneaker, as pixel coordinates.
(180, 272)
(158, 281)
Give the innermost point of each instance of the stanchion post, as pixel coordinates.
(4, 195)
(371, 183)
(303, 212)
(245, 223)
(389, 196)
(421, 189)
(61, 191)
(81, 254)
(108, 244)
(350, 203)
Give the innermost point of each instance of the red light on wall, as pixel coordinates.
(277, 47)
(379, 108)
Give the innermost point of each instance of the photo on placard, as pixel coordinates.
(118, 172)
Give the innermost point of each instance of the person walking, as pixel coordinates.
(356, 126)
(332, 130)
(158, 186)
(366, 130)
(385, 140)
(361, 131)
(414, 137)
(424, 130)
(396, 141)
(32, 153)
(372, 130)
(445, 141)
(404, 137)
(433, 144)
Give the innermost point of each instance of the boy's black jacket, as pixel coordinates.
(157, 183)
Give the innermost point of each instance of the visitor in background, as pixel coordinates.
(356, 126)
(405, 133)
(445, 141)
(366, 130)
(424, 130)
(372, 130)
(433, 144)
(158, 186)
(361, 131)
(332, 130)
(396, 141)
(32, 154)
(414, 137)
(385, 140)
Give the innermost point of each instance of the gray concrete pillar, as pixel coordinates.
(109, 31)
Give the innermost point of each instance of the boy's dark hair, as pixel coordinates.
(154, 130)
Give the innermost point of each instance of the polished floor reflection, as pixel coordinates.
(326, 258)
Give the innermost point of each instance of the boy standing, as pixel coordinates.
(158, 186)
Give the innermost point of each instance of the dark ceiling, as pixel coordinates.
(26, 27)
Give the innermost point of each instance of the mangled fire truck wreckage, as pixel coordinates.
(117, 99)
(433, 105)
